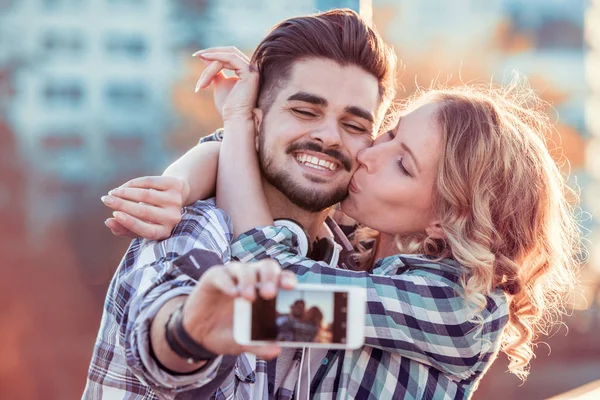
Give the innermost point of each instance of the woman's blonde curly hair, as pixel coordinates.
(504, 207)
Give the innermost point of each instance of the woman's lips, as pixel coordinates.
(352, 186)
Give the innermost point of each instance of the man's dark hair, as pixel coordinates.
(340, 35)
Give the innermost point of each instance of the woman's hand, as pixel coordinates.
(149, 207)
(235, 96)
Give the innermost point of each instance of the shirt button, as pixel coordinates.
(325, 361)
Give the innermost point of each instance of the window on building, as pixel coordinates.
(57, 142)
(128, 145)
(63, 42)
(65, 154)
(63, 94)
(560, 34)
(126, 46)
(126, 95)
(63, 5)
(126, 2)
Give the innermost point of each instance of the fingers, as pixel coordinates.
(117, 229)
(225, 282)
(223, 49)
(149, 196)
(230, 61)
(267, 352)
(154, 182)
(214, 70)
(287, 280)
(264, 275)
(245, 277)
(268, 278)
(141, 228)
(144, 212)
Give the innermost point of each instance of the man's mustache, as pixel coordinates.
(312, 146)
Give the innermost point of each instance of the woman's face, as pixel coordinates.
(392, 190)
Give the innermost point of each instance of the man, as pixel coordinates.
(326, 81)
(285, 323)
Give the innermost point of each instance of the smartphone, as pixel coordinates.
(322, 316)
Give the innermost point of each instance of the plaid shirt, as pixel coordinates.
(420, 342)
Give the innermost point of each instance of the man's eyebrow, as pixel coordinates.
(321, 101)
(409, 151)
(309, 98)
(360, 112)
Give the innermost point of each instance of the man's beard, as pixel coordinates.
(312, 200)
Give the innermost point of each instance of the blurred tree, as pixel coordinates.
(510, 41)
(199, 116)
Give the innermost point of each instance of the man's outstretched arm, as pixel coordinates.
(150, 278)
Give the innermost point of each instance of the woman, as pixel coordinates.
(475, 242)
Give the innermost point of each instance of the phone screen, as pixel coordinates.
(310, 316)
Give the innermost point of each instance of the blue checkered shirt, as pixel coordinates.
(420, 342)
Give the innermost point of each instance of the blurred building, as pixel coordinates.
(91, 93)
(592, 194)
(242, 23)
(92, 98)
(417, 25)
(556, 53)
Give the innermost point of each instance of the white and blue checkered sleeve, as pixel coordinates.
(415, 306)
(150, 274)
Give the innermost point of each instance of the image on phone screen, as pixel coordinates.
(301, 316)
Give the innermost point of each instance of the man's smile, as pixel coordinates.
(317, 161)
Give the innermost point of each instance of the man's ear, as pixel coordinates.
(257, 115)
(435, 231)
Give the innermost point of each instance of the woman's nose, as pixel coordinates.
(368, 157)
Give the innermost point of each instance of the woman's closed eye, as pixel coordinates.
(403, 169)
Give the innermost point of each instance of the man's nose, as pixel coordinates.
(328, 134)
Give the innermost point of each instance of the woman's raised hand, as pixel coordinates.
(147, 207)
(235, 96)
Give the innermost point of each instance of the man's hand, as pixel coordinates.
(149, 206)
(235, 96)
(208, 312)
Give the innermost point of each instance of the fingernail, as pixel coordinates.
(106, 199)
(119, 215)
(287, 280)
(106, 223)
(249, 291)
(268, 287)
(232, 291)
(199, 83)
(112, 192)
(199, 52)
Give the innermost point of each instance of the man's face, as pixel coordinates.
(309, 138)
(297, 309)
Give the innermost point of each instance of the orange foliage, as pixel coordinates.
(510, 42)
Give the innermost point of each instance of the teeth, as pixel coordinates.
(315, 162)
